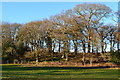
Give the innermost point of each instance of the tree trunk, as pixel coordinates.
(91, 59)
(83, 59)
(75, 51)
(88, 47)
(118, 46)
(53, 47)
(75, 47)
(102, 49)
(36, 58)
(89, 43)
(66, 56)
(97, 49)
(102, 46)
(110, 45)
(92, 48)
(59, 47)
(84, 48)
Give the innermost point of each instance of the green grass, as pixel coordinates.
(47, 73)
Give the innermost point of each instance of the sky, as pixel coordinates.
(24, 12)
(60, 0)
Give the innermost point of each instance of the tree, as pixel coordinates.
(7, 43)
(91, 14)
(31, 35)
(111, 36)
(61, 29)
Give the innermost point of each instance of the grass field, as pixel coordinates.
(17, 72)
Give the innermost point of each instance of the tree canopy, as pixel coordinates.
(78, 31)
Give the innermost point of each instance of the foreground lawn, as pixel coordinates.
(47, 73)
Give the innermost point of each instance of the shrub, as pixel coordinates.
(115, 57)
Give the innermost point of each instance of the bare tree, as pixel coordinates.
(91, 14)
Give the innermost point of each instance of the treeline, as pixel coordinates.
(77, 31)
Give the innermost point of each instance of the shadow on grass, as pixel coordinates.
(17, 67)
(53, 72)
(61, 79)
